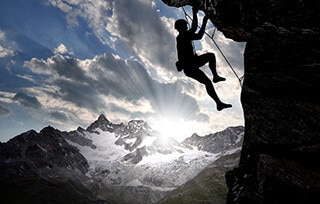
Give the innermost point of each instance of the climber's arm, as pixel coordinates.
(200, 34)
(194, 24)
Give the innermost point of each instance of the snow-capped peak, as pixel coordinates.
(102, 122)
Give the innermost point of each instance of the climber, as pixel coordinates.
(190, 62)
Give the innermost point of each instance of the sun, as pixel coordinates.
(171, 128)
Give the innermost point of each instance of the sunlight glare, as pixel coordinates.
(171, 128)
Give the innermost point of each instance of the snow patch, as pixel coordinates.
(102, 158)
(132, 140)
(134, 183)
(147, 142)
(233, 151)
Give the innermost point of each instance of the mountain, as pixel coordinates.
(106, 163)
(215, 143)
(208, 186)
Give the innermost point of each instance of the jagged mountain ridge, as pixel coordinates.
(214, 143)
(105, 155)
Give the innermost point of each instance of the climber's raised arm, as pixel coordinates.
(194, 24)
(200, 34)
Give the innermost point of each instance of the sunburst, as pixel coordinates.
(169, 127)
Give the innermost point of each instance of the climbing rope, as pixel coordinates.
(240, 78)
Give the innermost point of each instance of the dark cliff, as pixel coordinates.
(280, 160)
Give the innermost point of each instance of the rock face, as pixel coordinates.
(280, 97)
(43, 150)
(42, 168)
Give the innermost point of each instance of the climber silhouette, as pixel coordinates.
(190, 62)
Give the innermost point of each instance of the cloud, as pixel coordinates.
(2, 35)
(138, 24)
(27, 100)
(60, 116)
(57, 66)
(233, 51)
(4, 52)
(6, 97)
(27, 77)
(133, 26)
(4, 111)
(137, 27)
(65, 7)
(62, 49)
(94, 12)
(109, 80)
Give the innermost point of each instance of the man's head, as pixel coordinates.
(181, 25)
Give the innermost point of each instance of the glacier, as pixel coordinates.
(136, 155)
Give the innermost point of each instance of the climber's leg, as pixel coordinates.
(198, 75)
(211, 58)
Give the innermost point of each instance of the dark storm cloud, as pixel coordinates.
(27, 100)
(4, 111)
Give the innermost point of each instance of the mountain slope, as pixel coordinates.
(42, 167)
(209, 185)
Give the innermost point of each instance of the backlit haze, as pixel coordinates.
(65, 62)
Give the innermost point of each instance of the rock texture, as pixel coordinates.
(280, 97)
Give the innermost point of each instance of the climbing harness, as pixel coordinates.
(240, 78)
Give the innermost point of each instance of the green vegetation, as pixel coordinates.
(207, 187)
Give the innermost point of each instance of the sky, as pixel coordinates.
(65, 62)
